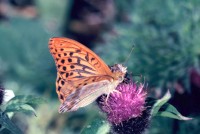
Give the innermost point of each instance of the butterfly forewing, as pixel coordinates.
(74, 60)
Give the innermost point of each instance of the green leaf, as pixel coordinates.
(159, 103)
(27, 99)
(24, 104)
(170, 111)
(164, 109)
(25, 108)
(7, 123)
(97, 126)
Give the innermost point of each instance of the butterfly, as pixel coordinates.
(82, 76)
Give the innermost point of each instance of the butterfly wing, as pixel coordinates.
(77, 66)
(71, 57)
(85, 95)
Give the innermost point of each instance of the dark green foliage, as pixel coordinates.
(166, 39)
(19, 103)
(164, 109)
(23, 103)
(98, 126)
(7, 123)
(165, 35)
(24, 53)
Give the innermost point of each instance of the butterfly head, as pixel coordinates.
(119, 71)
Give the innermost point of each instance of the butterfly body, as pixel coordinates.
(81, 75)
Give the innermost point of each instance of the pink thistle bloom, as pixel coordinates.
(129, 103)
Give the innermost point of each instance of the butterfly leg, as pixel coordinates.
(116, 91)
(106, 101)
(108, 95)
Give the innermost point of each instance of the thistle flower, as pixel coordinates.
(136, 125)
(129, 103)
(126, 111)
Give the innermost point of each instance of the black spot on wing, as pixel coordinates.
(59, 88)
(61, 97)
(71, 53)
(62, 61)
(64, 68)
(58, 79)
(69, 60)
(87, 57)
(62, 73)
(72, 66)
(62, 82)
(92, 59)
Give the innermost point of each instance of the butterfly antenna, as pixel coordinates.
(129, 54)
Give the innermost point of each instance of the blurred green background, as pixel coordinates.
(166, 39)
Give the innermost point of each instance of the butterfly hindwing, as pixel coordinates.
(65, 88)
(84, 96)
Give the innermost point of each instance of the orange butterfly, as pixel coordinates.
(81, 75)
